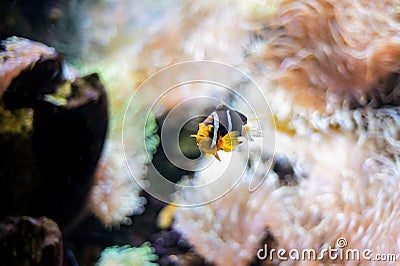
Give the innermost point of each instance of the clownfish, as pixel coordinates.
(221, 130)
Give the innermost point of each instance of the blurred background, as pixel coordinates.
(330, 70)
(123, 42)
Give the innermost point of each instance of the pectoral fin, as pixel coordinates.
(246, 132)
(229, 141)
(217, 156)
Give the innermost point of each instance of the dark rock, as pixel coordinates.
(49, 171)
(29, 241)
(67, 143)
(19, 174)
(32, 84)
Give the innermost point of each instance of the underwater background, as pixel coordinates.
(100, 100)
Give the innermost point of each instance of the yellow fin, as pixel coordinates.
(166, 216)
(208, 155)
(229, 141)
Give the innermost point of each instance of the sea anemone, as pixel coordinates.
(128, 256)
(327, 52)
(329, 70)
(228, 230)
(115, 194)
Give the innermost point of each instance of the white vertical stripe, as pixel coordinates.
(216, 127)
(229, 121)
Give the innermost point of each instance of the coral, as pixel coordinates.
(18, 55)
(320, 48)
(204, 28)
(128, 256)
(329, 70)
(115, 193)
(226, 231)
(152, 52)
